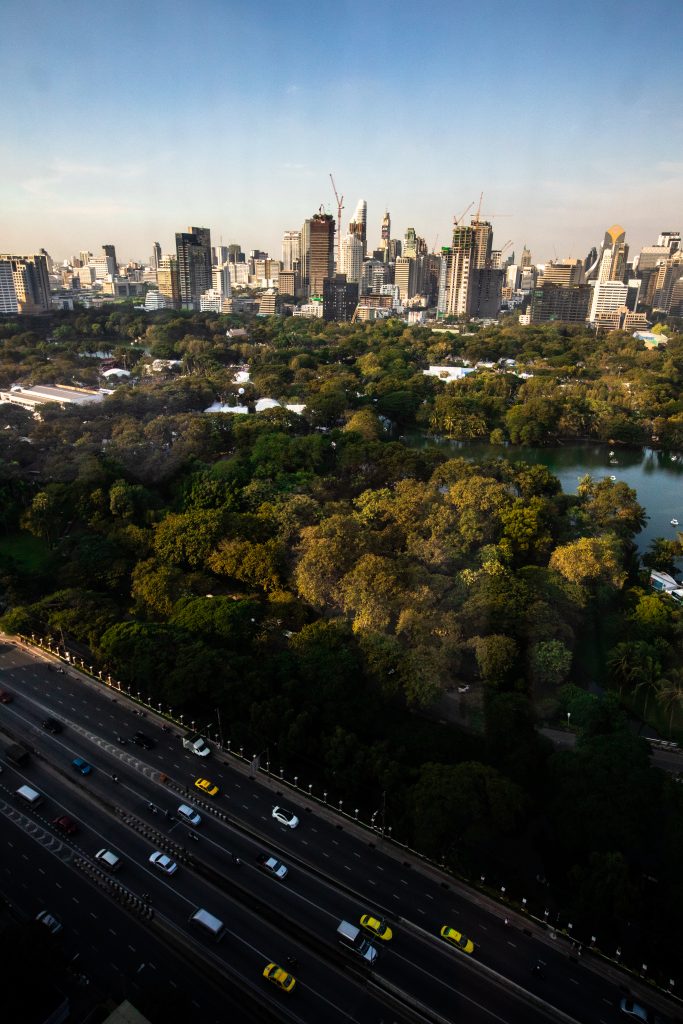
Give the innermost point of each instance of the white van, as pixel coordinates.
(213, 925)
(31, 796)
(189, 815)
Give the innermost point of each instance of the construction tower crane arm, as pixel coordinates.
(340, 207)
(458, 220)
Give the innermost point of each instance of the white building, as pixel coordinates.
(291, 249)
(210, 301)
(155, 300)
(221, 280)
(352, 258)
(608, 296)
(310, 310)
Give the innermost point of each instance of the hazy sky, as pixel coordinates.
(127, 122)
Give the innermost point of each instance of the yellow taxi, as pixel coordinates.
(457, 939)
(207, 787)
(377, 925)
(279, 977)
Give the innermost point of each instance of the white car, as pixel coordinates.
(285, 817)
(164, 863)
(189, 815)
(108, 860)
(272, 865)
(49, 921)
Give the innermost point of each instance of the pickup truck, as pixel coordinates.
(197, 744)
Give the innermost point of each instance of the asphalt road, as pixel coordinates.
(333, 873)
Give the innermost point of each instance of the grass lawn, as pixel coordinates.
(29, 552)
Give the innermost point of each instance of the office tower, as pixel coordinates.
(428, 283)
(321, 251)
(340, 298)
(667, 276)
(193, 251)
(219, 255)
(220, 277)
(359, 224)
(8, 296)
(155, 259)
(485, 293)
(305, 254)
(84, 257)
(565, 272)
(386, 230)
(110, 260)
(49, 262)
(30, 282)
(288, 283)
(608, 296)
(351, 258)
(410, 243)
(611, 263)
(525, 260)
(374, 274)
(235, 254)
(291, 249)
(591, 259)
(405, 277)
(394, 250)
(565, 304)
(671, 239)
(167, 279)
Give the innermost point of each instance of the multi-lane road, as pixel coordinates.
(333, 874)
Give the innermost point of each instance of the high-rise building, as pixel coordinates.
(668, 274)
(456, 266)
(607, 297)
(291, 249)
(374, 274)
(410, 243)
(156, 256)
(340, 298)
(30, 283)
(220, 276)
(219, 255)
(556, 302)
(386, 229)
(351, 258)
(321, 252)
(610, 265)
(525, 260)
(671, 239)
(235, 254)
(405, 275)
(565, 272)
(167, 279)
(359, 224)
(483, 242)
(193, 250)
(8, 296)
(110, 259)
(288, 283)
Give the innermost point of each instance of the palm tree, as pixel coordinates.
(670, 694)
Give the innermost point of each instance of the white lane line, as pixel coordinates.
(428, 896)
(403, 881)
(356, 854)
(325, 854)
(111, 931)
(131, 948)
(42, 871)
(396, 897)
(75, 900)
(93, 915)
(513, 944)
(420, 910)
(371, 882)
(346, 867)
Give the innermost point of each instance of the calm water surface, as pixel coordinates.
(657, 477)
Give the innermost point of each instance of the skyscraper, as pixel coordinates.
(405, 277)
(193, 250)
(351, 258)
(456, 266)
(483, 241)
(291, 249)
(156, 256)
(410, 243)
(30, 283)
(386, 235)
(340, 298)
(359, 224)
(321, 258)
(611, 262)
(167, 279)
(110, 259)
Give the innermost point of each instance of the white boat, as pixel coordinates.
(611, 453)
(674, 522)
(612, 477)
(614, 462)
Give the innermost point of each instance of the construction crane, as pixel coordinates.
(340, 207)
(505, 245)
(486, 216)
(457, 220)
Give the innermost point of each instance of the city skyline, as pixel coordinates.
(130, 123)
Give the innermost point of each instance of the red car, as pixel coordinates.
(5, 697)
(66, 825)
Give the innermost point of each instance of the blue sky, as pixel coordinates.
(127, 123)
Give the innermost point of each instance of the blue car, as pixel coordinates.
(81, 766)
